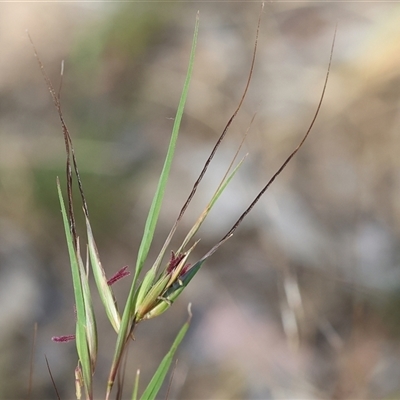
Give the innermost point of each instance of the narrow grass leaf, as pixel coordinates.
(154, 385)
(81, 339)
(157, 200)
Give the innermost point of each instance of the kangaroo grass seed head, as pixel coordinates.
(150, 297)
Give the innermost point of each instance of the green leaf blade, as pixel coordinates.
(82, 346)
(158, 197)
(154, 385)
(103, 288)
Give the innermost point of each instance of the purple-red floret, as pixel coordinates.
(185, 269)
(63, 339)
(174, 262)
(122, 273)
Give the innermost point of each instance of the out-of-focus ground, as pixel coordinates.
(303, 302)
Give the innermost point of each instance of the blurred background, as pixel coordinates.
(303, 302)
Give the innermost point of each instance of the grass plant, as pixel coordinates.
(153, 292)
